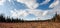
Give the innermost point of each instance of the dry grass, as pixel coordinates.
(30, 25)
(46, 24)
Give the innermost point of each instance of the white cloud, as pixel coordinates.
(57, 9)
(55, 3)
(9, 0)
(38, 13)
(44, 13)
(2, 2)
(24, 13)
(45, 2)
(31, 4)
(19, 13)
(41, 14)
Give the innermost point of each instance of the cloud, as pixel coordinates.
(45, 2)
(44, 13)
(9, 0)
(2, 2)
(36, 12)
(40, 14)
(19, 13)
(55, 3)
(57, 9)
(24, 13)
(31, 4)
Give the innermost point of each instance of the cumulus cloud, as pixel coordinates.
(31, 4)
(55, 3)
(45, 2)
(2, 2)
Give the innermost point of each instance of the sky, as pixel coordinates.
(30, 9)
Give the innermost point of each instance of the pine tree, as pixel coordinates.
(2, 19)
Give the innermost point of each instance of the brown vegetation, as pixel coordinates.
(53, 23)
(30, 25)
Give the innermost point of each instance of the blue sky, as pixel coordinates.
(30, 9)
(46, 6)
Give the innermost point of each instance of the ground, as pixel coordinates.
(31, 25)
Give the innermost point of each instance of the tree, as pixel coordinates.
(2, 19)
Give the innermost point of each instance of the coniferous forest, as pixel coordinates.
(3, 19)
(56, 18)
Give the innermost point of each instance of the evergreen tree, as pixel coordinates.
(2, 19)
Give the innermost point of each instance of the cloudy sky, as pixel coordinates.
(30, 9)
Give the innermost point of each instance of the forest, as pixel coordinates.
(56, 18)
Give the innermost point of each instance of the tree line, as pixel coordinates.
(3, 19)
(56, 18)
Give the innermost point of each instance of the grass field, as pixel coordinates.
(31, 25)
(54, 23)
